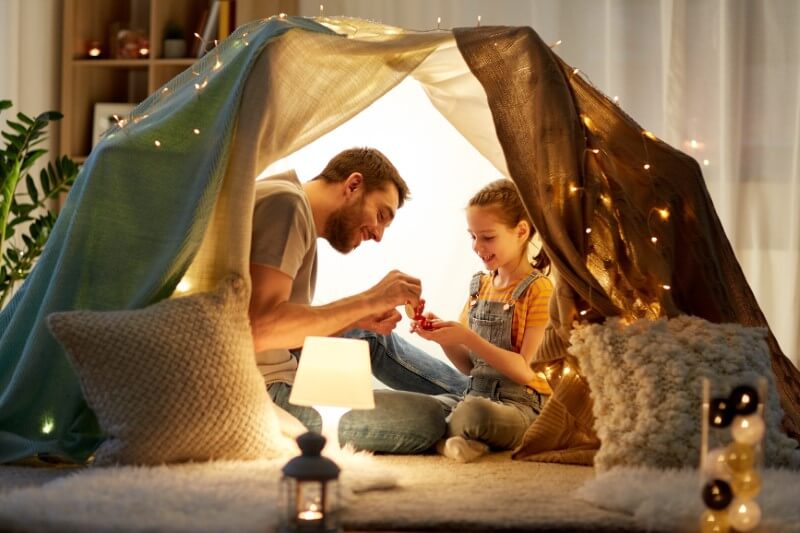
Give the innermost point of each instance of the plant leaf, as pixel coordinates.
(25, 118)
(17, 126)
(31, 157)
(49, 115)
(44, 182)
(32, 191)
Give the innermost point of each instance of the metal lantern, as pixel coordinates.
(309, 491)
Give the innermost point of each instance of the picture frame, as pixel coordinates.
(104, 117)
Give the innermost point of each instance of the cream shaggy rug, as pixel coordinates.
(431, 493)
(217, 496)
(419, 493)
(670, 500)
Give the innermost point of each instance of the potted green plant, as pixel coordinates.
(174, 41)
(27, 216)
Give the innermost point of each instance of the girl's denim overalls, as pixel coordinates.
(495, 410)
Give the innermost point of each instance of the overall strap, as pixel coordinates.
(524, 284)
(475, 284)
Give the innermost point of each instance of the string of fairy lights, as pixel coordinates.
(662, 213)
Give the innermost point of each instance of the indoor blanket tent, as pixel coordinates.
(168, 195)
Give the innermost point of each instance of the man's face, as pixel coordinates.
(364, 217)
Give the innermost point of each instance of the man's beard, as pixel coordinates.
(342, 227)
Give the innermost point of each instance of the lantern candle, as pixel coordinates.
(309, 490)
(311, 514)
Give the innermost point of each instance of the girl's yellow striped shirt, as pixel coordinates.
(530, 311)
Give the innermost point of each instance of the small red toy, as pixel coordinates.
(416, 314)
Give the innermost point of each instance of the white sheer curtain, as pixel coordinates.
(30, 44)
(718, 79)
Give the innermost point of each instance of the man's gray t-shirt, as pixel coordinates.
(284, 238)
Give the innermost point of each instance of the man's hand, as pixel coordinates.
(382, 324)
(395, 289)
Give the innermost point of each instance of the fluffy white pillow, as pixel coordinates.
(646, 385)
(175, 381)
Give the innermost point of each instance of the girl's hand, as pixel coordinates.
(445, 333)
(417, 325)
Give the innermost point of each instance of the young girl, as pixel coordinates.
(499, 331)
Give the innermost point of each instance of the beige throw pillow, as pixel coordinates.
(175, 381)
(646, 386)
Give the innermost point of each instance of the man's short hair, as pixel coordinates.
(376, 168)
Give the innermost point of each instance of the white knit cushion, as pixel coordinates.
(175, 381)
(646, 385)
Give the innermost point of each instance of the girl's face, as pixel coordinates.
(495, 243)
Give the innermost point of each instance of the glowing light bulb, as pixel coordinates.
(647, 166)
(157, 143)
(715, 466)
(666, 287)
(663, 213)
(744, 515)
(94, 52)
(714, 522)
(479, 21)
(48, 425)
(595, 150)
(746, 485)
(144, 51)
(438, 22)
(573, 189)
(654, 239)
(739, 457)
(583, 312)
(693, 144)
(706, 162)
(588, 230)
(748, 429)
(196, 131)
(566, 370)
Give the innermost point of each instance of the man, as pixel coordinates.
(354, 199)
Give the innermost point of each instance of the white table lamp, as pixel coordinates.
(334, 375)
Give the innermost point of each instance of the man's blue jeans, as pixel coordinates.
(410, 419)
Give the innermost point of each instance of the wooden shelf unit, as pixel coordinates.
(86, 81)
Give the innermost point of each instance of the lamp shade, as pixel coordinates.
(334, 372)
